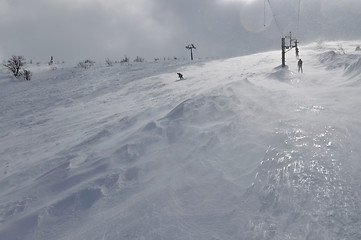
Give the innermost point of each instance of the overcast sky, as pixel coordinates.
(73, 30)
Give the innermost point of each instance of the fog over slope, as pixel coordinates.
(239, 149)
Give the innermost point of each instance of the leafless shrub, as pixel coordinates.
(109, 62)
(86, 64)
(125, 60)
(14, 64)
(139, 59)
(341, 49)
(27, 74)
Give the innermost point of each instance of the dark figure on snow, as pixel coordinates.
(300, 65)
(180, 76)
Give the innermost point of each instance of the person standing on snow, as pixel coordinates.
(300, 65)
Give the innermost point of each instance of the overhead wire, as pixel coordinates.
(298, 18)
(264, 13)
(274, 16)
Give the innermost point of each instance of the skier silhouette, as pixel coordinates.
(300, 65)
(180, 76)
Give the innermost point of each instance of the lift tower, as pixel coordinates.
(286, 48)
(191, 47)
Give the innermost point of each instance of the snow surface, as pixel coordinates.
(240, 149)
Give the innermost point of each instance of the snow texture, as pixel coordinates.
(240, 149)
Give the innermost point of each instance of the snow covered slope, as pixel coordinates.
(240, 149)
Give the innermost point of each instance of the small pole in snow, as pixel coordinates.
(283, 52)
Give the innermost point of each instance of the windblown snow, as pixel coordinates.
(239, 149)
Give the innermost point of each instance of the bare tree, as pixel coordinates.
(14, 64)
(109, 62)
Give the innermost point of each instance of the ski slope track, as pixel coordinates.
(239, 149)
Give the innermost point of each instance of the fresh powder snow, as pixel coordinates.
(239, 149)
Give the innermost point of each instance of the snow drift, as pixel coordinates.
(240, 149)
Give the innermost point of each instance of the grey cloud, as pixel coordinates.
(74, 30)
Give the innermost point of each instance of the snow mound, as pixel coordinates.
(354, 69)
(333, 60)
(283, 74)
(350, 63)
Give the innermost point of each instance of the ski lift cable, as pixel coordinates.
(275, 19)
(298, 18)
(264, 13)
(273, 14)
